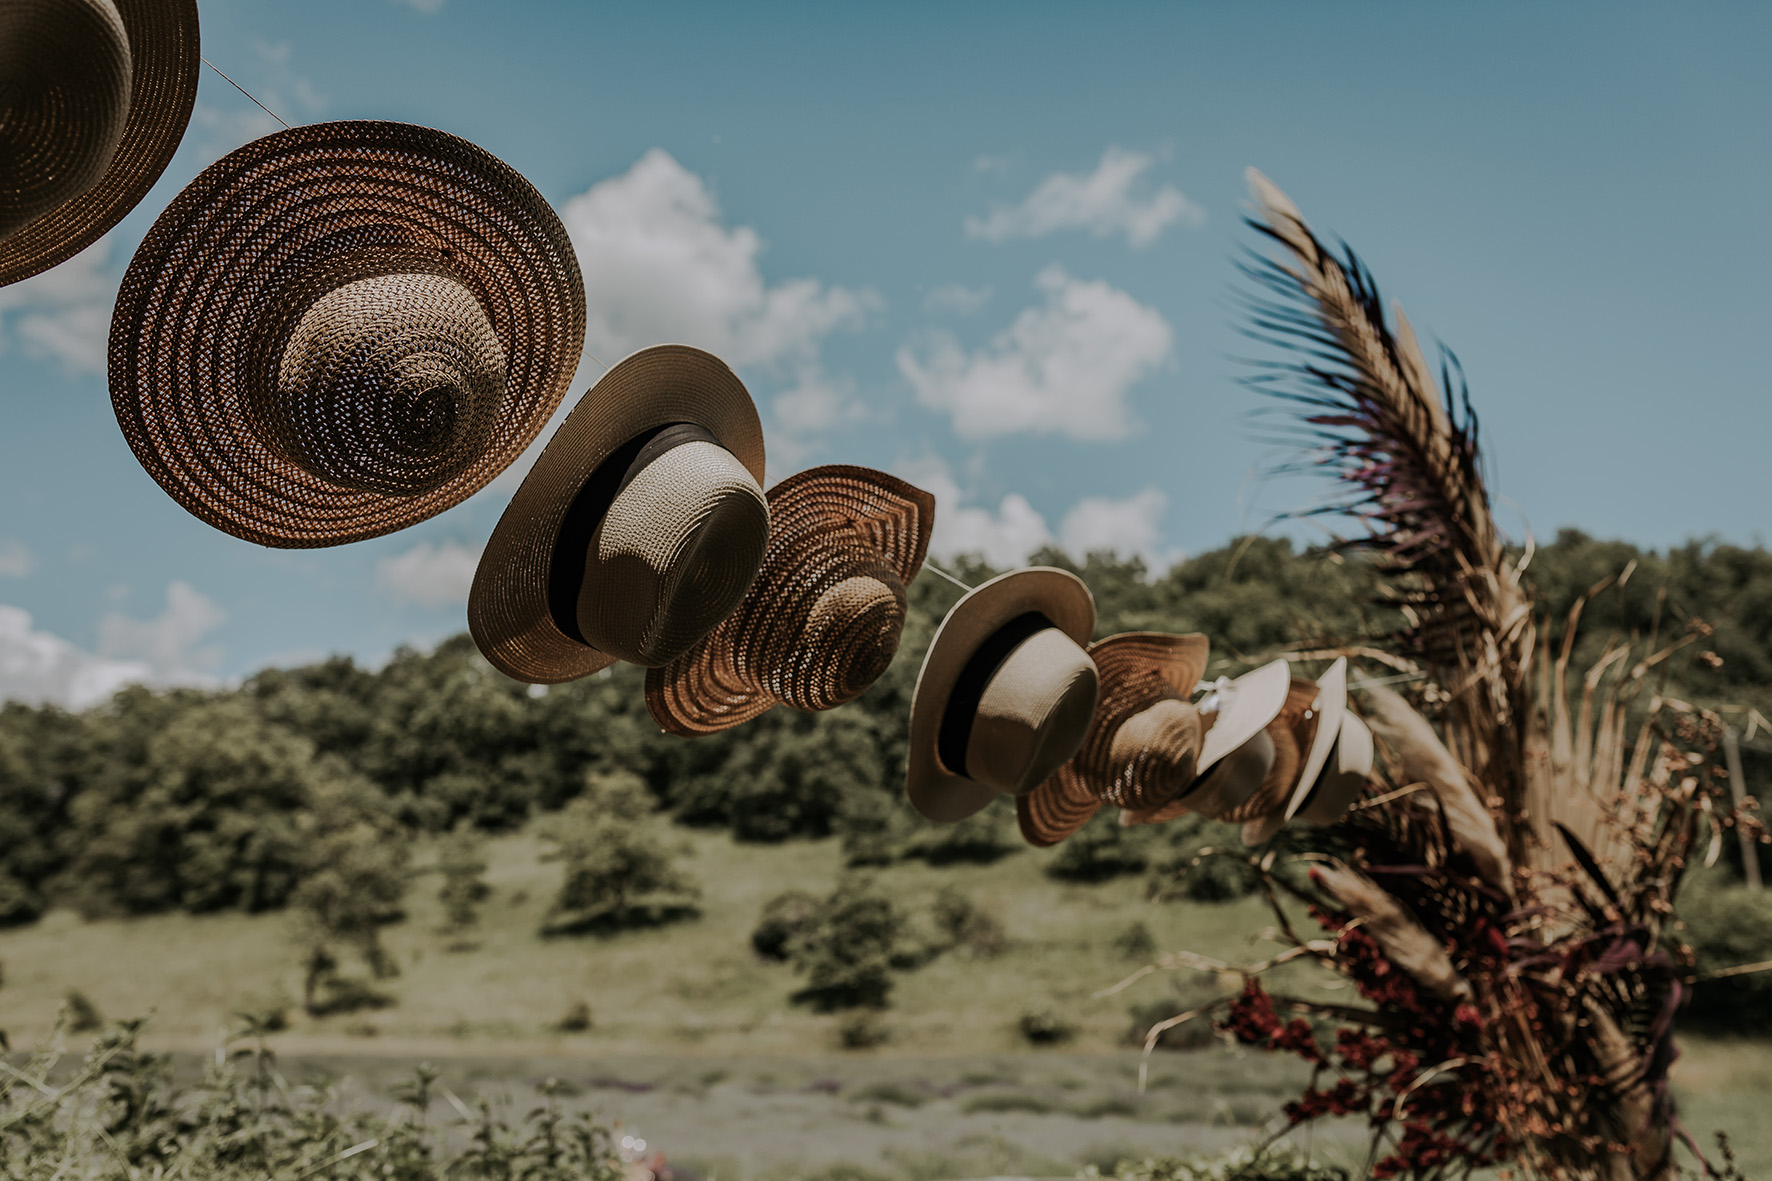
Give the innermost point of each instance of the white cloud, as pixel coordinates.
(16, 561)
(1005, 535)
(1061, 368)
(167, 646)
(660, 266)
(1128, 527)
(1101, 203)
(957, 298)
(38, 666)
(65, 312)
(429, 575)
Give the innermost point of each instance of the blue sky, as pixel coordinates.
(989, 247)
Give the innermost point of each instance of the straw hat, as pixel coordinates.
(342, 329)
(1005, 694)
(94, 98)
(639, 528)
(1143, 742)
(823, 619)
(1329, 708)
(1344, 777)
(1237, 751)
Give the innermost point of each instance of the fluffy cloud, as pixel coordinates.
(1061, 368)
(1101, 202)
(15, 560)
(36, 665)
(168, 644)
(429, 575)
(957, 298)
(65, 312)
(1004, 535)
(1133, 526)
(660, 265)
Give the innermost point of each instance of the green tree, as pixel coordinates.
(618, 869)
(848, 948)
(461, 859)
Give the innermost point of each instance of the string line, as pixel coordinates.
(928, 565)
(244, 91)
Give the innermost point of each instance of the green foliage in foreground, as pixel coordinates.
(1242, 1164)
(206, 801)
(122, 1116)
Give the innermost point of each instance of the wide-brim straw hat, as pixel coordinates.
(823, 619)
(1344, 778)
(1236, 751)
(1329, 709)
(1017, 643)
(1143, 742)
(342, 329)
(516, 611)
(163, 60)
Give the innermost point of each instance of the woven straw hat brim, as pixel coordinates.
(1055, 809)
(826, 524)
(1260, 695)
(186, 350)
(164, 57)
(1061, 596)
(508, 604)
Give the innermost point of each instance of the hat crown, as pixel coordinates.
(673, 555)
(848, 638)
(1033, 713)
(389, 383)
(1154, 754)
(65, 77)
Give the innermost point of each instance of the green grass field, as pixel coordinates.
(694, 1042)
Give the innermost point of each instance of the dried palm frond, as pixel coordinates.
(1404, 943)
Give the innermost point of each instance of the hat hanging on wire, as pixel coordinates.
(1005, 694)
(1335, 770)
(342, 329)
(823, 619)
(639, 528)
(94, 98)
(1143, 742)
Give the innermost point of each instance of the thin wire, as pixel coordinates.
(244, 91)
(928, 565)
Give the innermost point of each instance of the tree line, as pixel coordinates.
(240, 798)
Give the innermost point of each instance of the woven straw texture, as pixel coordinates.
(342, 329)
(1292, 733)
(933, 789)
(1143, 741)
(823, 619)
(159, 73)
(508, 611)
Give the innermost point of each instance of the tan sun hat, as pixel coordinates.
(94, 98)
(1344, 778)
(823, 619)
(639, 528)
(1328, 709)
(1005, 694)
(1237, 753)
(1143, 741)
(339, 330)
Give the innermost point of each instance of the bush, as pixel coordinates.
(1135, 942)
(1101, 850)
(980, 839)
(1044, 1026)
(461, 859)
(1175, 873)
(1730, 926)
(81, 1015)
(962, 924)
(1242, 1164)
(847, 949)
(618, 871)
(862, 1030)
(576, 1019)
(785, 918)
(1189, 1035)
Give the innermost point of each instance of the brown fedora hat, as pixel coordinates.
(339, 330)
(1005, 694)
(639, 528)
(94, 98)
(1143, 741)
(823, 619)
(1329, 708)
(1236, 750)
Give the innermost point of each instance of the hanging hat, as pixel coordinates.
(1348, 771)
(342, 329)
(1143, 742)
(639, 528)
(1237, 751)
(1329, 708)
(94, 98)
(823, 619)
(1005, 695)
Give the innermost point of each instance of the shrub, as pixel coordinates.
(1730, 926)
(847, 949)
(784, 919)
(862, 1030)
(980, 839)
(81, 1015)
(1135, 942)
(618, 871)
(1045, 1026)
(1189, 1035)
(576, 1019)
(1180, 871)
(461, 858)
(1242, 1164)
(961, 924)
(1101, 850)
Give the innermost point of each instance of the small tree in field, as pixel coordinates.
(618, 868)
(461, 858)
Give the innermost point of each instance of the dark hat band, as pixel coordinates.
(566, 567)
(956, 720)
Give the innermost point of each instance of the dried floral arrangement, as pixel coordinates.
(1501, 899)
